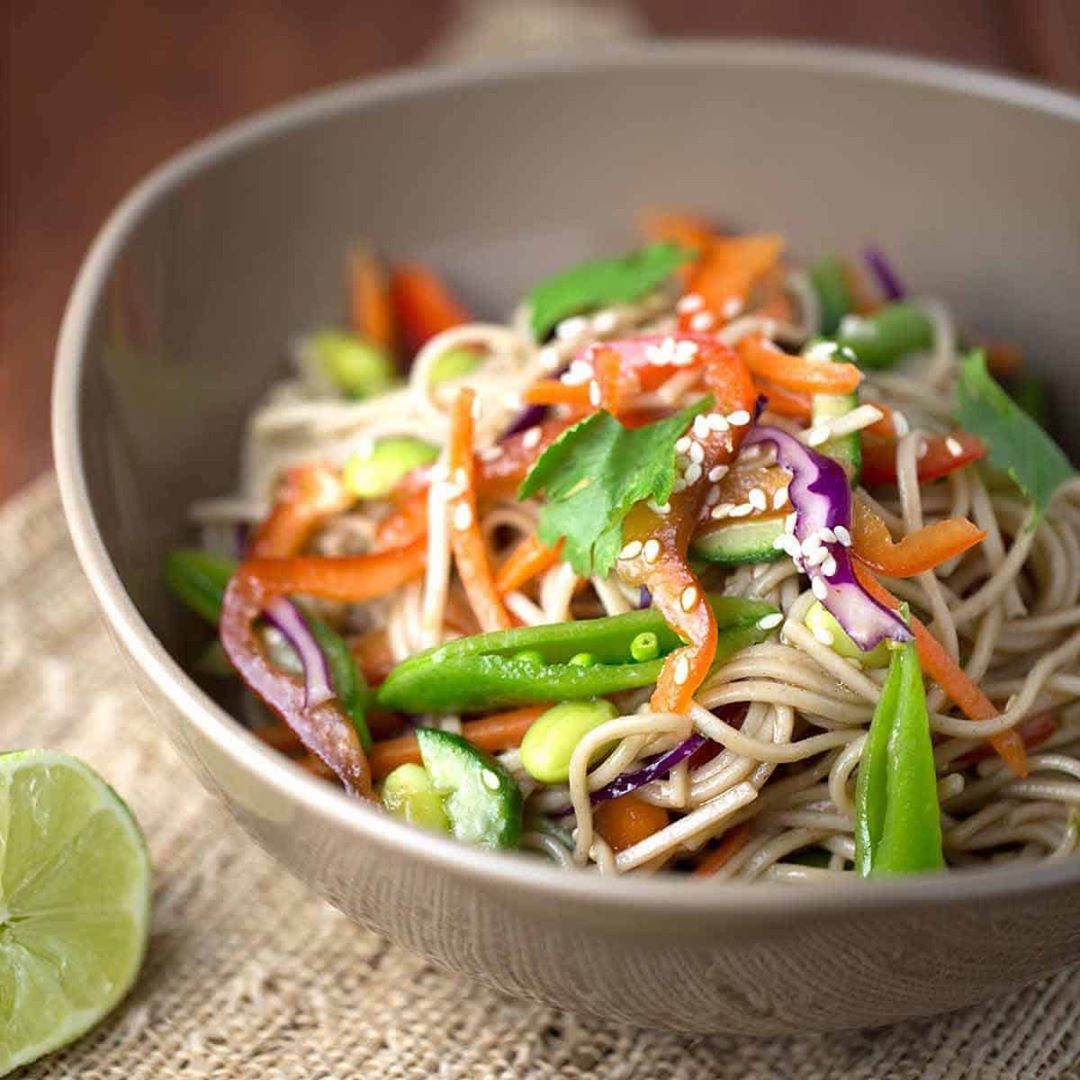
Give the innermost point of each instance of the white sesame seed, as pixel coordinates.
(739, 418)
(817, 435)
(953, 446)
(819, 588)
(716, 422)
(682, 670)
(605, 322)
(790, 522)
(757, 499)
(689, 598)
(900, 424)
(461, 477)
(701, 427)
(828, 567)
(816, 557)
(594, 393)
(631, 550)
(789, 544)
(823, 635)
(679, 485)
(579, 372)
(690, 303)
(713, 496)
(548, 358)
(651, 550)
(812, 543)
(491, 453)
(571, 328)
(770, 622)
(682, 445)
(531, 438)
(462, 516)
(660, 508)
(843, 537)
(697, 453)
(780, 543)
(732, 306)
(722, 511)
(823, 350)
(717, 473)
(742, 510)
(440, 472)
(685, 351)
(827, 535)
(693, 473)
(780, 498)
(702, 321)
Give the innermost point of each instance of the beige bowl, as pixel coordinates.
(504, 173)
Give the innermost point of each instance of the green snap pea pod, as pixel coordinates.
(198, 580)
(897, 818)
(489, 671)
(830, 283)
(879, 340)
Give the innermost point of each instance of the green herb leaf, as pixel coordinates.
(1017, 444)
(604, 281)
(594, 473)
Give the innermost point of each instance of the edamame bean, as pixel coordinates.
(583, 659)
(530, 656)
(359, 368)
(455, 363)
(823, 625)
(549, 743)
(373, 475)
(409, 793)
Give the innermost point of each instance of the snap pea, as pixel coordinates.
(373, 474)
(879, 340)
(357, 367)
(453, 364)
(897, 818)
(645, 646)
(409, 793)
(830, 283)
(198, 579)
(550, 742)
(487, 671)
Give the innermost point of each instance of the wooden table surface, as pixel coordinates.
(96, 93)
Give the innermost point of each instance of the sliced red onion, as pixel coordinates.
(631, 781)
(529, 417)
(644, 598)
(286, 617)
(821, 522)
(890, 284)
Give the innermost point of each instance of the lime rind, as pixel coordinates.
(75, 899)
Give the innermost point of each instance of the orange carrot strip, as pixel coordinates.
(627, 820)
(370, 312)
(500, 731)
(728, 271)
(915, 553)
(554, 392)
(530, 558)
(423, 305)
(885, 428)
(466, 539)
(797, 373)
(733, 841)
(676, 226)
(952, 678)
(310, 496)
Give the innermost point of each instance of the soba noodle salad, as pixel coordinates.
(705, 560)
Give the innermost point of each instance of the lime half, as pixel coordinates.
(75, 885)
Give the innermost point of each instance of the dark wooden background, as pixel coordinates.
(96, 93)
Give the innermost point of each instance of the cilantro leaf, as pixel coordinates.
(1017, 444)
(594, 473)
(603, 281)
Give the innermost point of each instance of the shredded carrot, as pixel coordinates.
(466, 539)
(500, 731)
(797, 373)
(555, 392)
(885, 428)
(733, 841)
(530, 558)
(615, 385)
(952, 678)
(310, 496)
(370, 310)
(728, 271)
(1033, 730)
(677, 226)
(627, 820)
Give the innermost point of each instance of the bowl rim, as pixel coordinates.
(674, 894)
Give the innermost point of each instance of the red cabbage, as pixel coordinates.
(286, 617)
(889, 283)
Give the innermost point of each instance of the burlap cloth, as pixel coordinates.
(249, 975)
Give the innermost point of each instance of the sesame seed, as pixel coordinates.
(789, 522)
(823, 635)
(461, 477)
(816, 557)
(780, 543)
(828, 567)
(816, 436)
(440, 472)
(819, 588)
(702, 321)
(684, 352)
(491, 453)
(683, 445)
(823, 350)
(742, 510)
(827, 535)
(548, 358)
(605, 322)
(953, 446)
(679, 485)
(690, 303)
(693, 472)
(571, 328)
(757, 499)
(717, 473)
(531, 438)
(651, 550)
(780, 498)
(722, 511)
(462, 516)
(697, 453)
(659, 508)
(739, 418)
(732, 306)
(631, 550)
(900, 424)
(579, 372)
(843, 537)
(812, 543)
(689, 598)
(682, 670)
(594, 393)
(713, 496)
(701, 427)
(770, 622)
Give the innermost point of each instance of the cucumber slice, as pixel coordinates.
(741, 542)
(847, 450)
(481, 799)
(409, 793)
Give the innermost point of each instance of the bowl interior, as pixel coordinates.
(503, 175)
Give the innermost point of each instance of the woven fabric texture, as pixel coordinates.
(249, 975)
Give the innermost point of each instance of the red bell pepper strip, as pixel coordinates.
(915, 553)
(423, 306)
(659, 562)
(726, 274)
(371, 313)
(879, 457)
(310, 496)
(797, 373)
